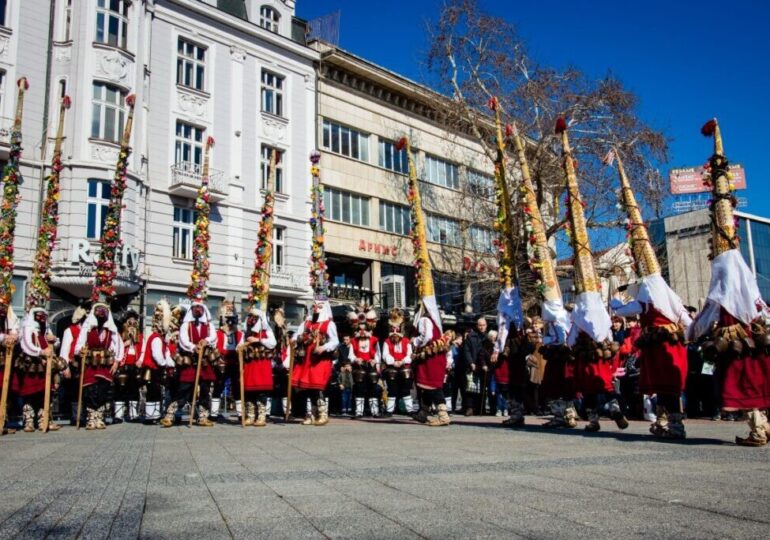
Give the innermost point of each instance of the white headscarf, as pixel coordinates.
(552, 311)
(655, 291)
(734, 288)
(429, 308)
(11, 321)
(590, 316)
(508, 311)
(188, 316)
(261, 323)
(28, 328)
(326, 311)
(91, 321)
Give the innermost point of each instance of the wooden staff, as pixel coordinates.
(243, 392)
(197, 381)
(287, 412)
(6, 384)
(44, 422)
(82, 376)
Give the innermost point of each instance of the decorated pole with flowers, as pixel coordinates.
(199, 276)
(8, 205)
(718, 177)
(319, 279)
(106, 267)
(260, 277)
(39, 292)
(11, 198)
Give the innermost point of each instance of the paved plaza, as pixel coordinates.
(382, 479)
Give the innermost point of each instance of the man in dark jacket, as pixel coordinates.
(471, 357)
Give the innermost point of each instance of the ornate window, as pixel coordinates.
(108, 113)
(184, 226)
(278, 247)
(97, 203)
(268, 18)
(265, 166)
(272, 93)
(189, 146)
(190, 64)
(112, 22)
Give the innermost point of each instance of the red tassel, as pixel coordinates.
(561, 125)
(131, 100)
(401, 144)
(492, 103)
(67, 102)
(508, 130)
(23, 82)
(709, 128)
(210, 141)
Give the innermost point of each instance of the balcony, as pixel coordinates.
(186, 180)
(6, 126)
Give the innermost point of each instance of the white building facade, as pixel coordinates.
(225, 69)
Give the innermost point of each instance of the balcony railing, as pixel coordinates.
(6, 126)
(290, 277)
(186, 179)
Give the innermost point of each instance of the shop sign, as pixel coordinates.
(85, 253)
(378, 249)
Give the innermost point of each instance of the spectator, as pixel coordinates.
(628, 374)
(470, 367)
(618, 329)
(456, 351)
(345, 381)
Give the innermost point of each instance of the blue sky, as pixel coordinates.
(686, 60)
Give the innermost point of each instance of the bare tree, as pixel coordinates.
(474, 57)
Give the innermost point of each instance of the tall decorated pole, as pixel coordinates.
(590, 315)
(8, 206)
(723, 201)
(509, 303)
(11, 198)
(199, 276)
(319, 279)
(106, 267)
(422, 264)
(260, 277)
(39, 292)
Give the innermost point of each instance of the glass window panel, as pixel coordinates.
(337, 206)
(105, 189)
(345, 141)
(356, 210)
(364, 144)
(346, 207)
(365, 212)
(335, 138)
(326, 135)
(354, 145)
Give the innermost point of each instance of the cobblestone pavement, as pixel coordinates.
(382, 479)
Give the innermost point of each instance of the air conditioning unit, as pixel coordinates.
(393, 292)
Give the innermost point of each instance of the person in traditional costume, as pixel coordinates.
(316, 343)
(37, 348)
(735, 314)
(156, 357)
(228, 339)
(100, 349)
(258, 353)
(127, 379)
(9, 336)
(70, 375)
(365, 359)
(664, 319)
(596, 356)
(397, 356)
(197, 339)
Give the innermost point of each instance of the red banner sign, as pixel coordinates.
(378, 249)
(690, 180)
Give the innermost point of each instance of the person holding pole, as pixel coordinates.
(32, 374)
(257, 350)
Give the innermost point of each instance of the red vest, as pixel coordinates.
(75, 331)
(96, 342)
(131, 357)
(365, 356)
(197, 332)
(149, 361)
(398, 356)
(222, 341)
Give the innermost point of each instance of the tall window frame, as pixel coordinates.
(269, 18)
(3, 12)
(264, 167)
(395, 218)
(392, 159)
(112, 22)
(441, 172)
(345, 141)
(188, 146)
(108, 111)
(279, 247)
(271, 93)
(97, 202)
(183, 232)
(346, 207)
(191, 64)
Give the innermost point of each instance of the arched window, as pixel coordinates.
(268, 18)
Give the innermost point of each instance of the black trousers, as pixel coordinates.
(367, 388)
(130, 390)
(97, 395)
(398, 387)
(184, 392)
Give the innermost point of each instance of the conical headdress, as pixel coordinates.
(586, 279)
(641, 247)
(723, 237)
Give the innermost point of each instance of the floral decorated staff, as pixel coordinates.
(258, 350)
(10, 201)
(106, 267)
(199, 276)
(430, 358)
(39, 292)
